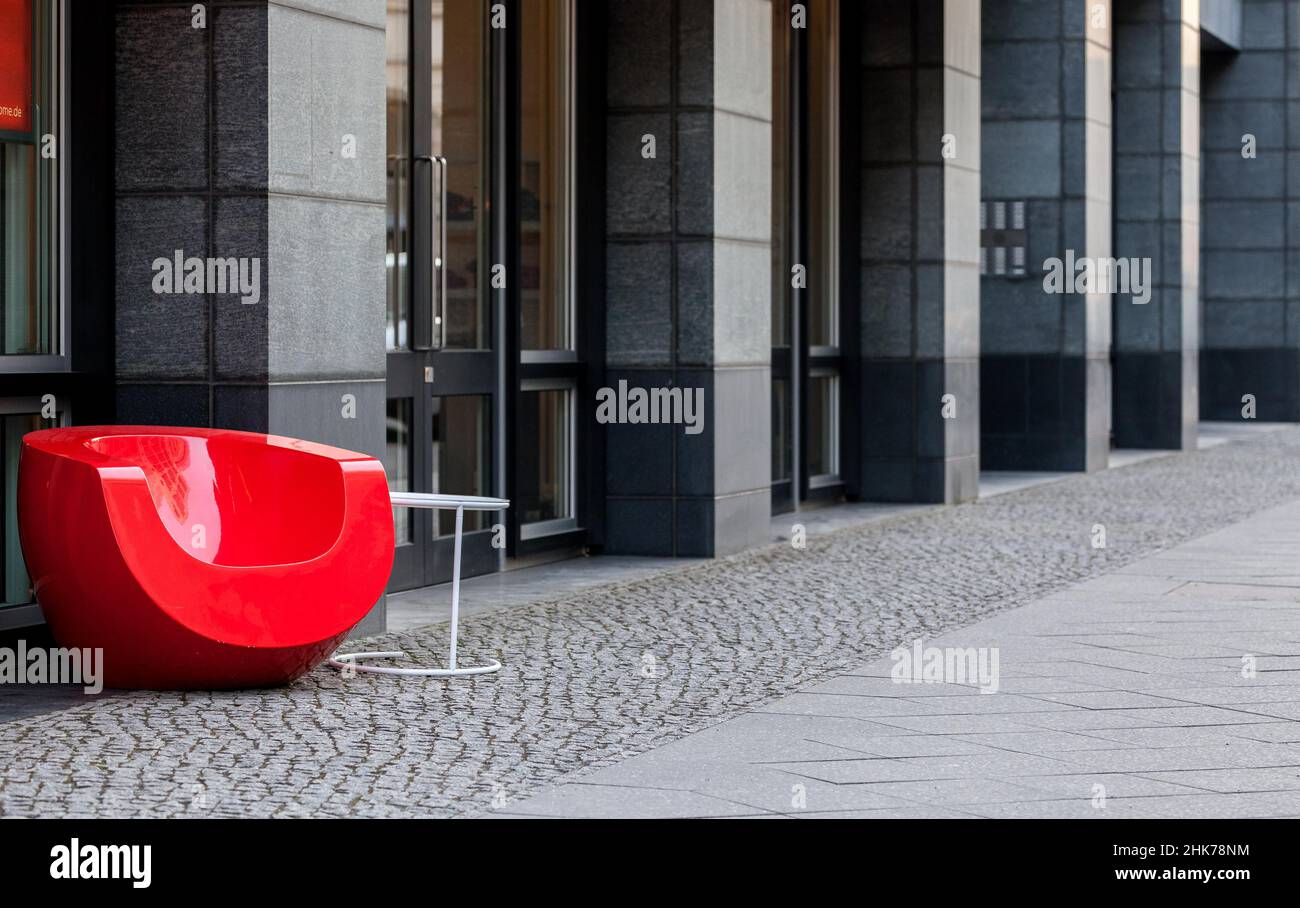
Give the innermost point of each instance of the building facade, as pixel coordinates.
(654, 270)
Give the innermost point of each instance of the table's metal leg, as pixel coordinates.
(351, 661)
(455, 587)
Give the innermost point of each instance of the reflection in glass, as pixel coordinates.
(823, 174)
(781, 435)
(546, 493)
(19, 265)
(29, 211)
(460, 456)
(457, 134)
(397, 461)
(17, 585)
(545, 177)
(783, 227)
(823, 402)
(399, 174)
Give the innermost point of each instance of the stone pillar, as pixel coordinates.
(1044, 368)
(1157, 219)
(326, 221)
(688, 285)
(231, 143)
(920, 148)
(235, 140)
(1250, 253)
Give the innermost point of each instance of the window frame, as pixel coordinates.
(809, 137)
(565, 36)
(835, 476)
(56, 278)
(23, 614)
(558, 526)
(579, 368)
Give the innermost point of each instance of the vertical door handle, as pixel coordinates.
(437, 247)
(400, 229)
(440, 255)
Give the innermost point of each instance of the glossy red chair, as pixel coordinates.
(201, 558)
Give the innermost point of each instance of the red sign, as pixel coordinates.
(16, 66)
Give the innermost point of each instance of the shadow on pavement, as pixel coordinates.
(21, 701)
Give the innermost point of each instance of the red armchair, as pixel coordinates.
(201, 558)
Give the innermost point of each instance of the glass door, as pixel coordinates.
(550, 367)
(442, 362)
(485, 363)
(806, 343)
(787, 256)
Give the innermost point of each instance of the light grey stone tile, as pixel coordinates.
(1063, 810)
(764, 788)
(326, 83)
(742, 57)
(1225, 806)
(1236, 779)
(959, 793)
(742, 177)
(742, 304)
(325, 289)
(1081, 787)
(367, 12)
(607, 801)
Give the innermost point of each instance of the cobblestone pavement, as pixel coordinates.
(603, 675)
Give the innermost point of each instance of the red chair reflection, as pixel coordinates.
(201, 558)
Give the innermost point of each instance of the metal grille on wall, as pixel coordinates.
(1003, 238)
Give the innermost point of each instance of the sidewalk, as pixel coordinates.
(630, 674)
(1122, 696)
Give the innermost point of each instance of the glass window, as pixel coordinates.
(17, 585)
(823, 428)
(546, 495)
(781, 436)
(458, 135)
(399, 174)
(460, 456)
(783, 228)
(823, 175)
(546, 177)
(29, 179)
(397, 461)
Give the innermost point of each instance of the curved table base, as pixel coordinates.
(349, 662)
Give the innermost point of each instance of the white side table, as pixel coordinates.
(461, 504)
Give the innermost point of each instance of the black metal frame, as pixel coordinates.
(787, 361)
(589, 273)
(850, 91)
(85, 379)
(29, 138)
(585, 371)
(795, 363)
(428, 559)
(497, 373)
(87, 370)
